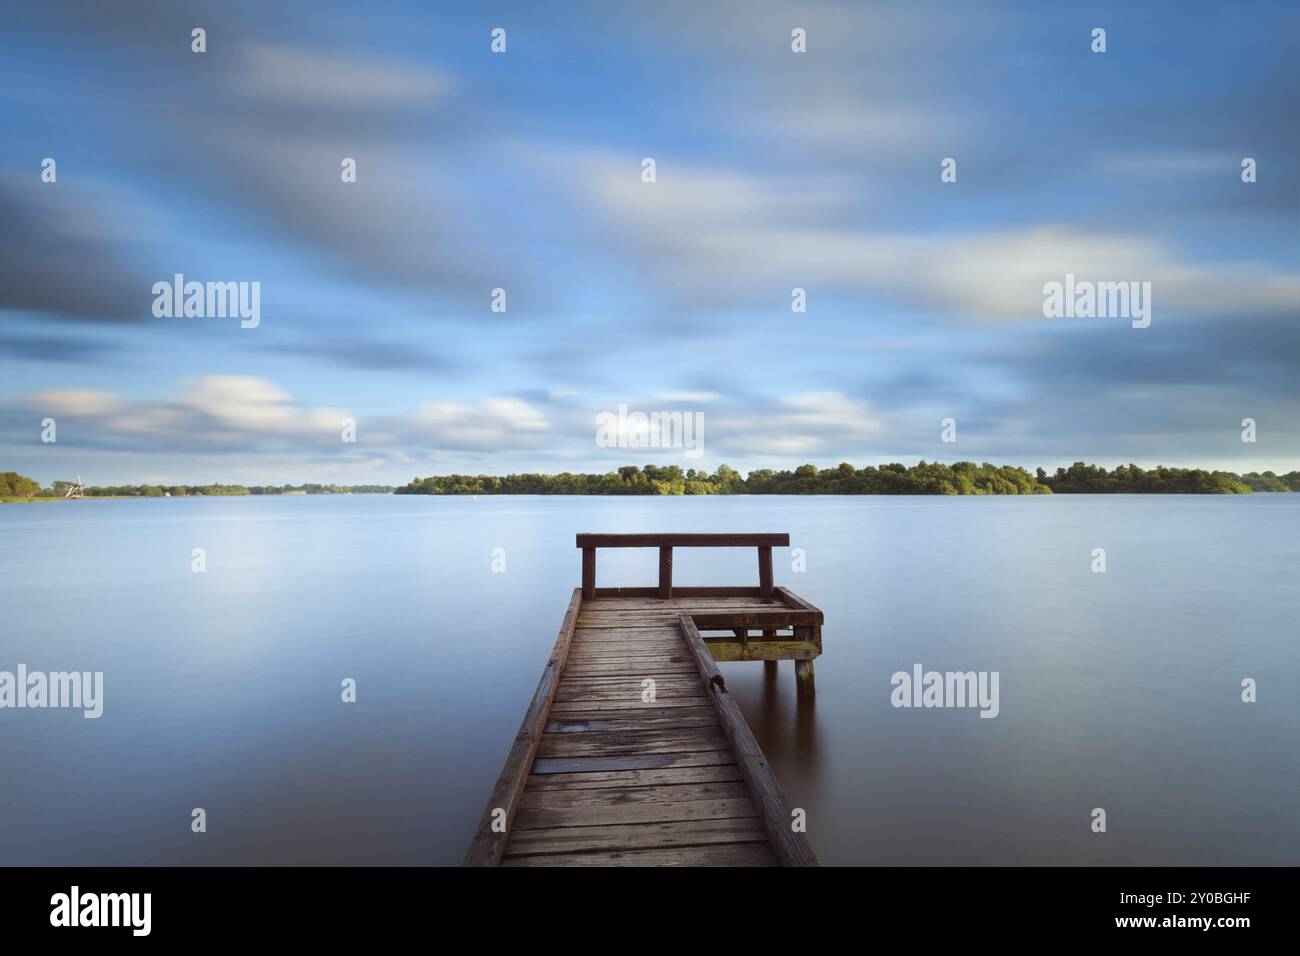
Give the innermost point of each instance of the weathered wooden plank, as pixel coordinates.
(622, 644)
(585, 705)
(762, 650)
(636, 836)
(567, 725)
(633, 682)
(793, 600)
(486, 847)
(729, 620)
(615, 652)
(599, 711)
(565, 765)
(691, 596)
(683, 540)
(630, 669)
(629, 641)
(633, 667)
(745, 591)
(616, 621)
(619, 695)
(586, 644)
(643, 657)
(632, 651)
(580, 656)
(664, 696)
(683, 601)
(589, 657)
(720, 854)
(686, 740)
(669, 793)
(630, 813)
(632, 628)
(599, 661)
(619, 779)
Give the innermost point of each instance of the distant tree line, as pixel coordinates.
(1130, 479)
(13, 485)
(924, 478)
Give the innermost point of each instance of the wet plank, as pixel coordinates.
(623, 779)
(635, 836)
(565, 765)
(644, 812)
(726, 854)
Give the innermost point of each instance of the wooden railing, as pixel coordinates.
(666, 542)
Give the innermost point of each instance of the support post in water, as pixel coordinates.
(803, 679)
(804, 684)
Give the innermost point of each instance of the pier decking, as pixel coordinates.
(633, 752)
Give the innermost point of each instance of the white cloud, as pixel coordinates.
(806, 423)
(73, 401)
(208, 409)
(851, 123)
(221, 413)
(500, 423)
(688, 396)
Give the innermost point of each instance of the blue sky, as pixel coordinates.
(522, 171)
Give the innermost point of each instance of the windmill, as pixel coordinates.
(75, 491)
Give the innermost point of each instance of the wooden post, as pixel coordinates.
(765, 571)
(769, 668)
(803, 679)
(665, 573)
(588, 573)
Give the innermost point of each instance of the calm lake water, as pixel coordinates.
(1119, 690)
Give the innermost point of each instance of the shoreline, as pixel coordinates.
(816, 494)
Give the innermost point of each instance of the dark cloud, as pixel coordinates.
(369, 354)
(63, 258)
(55, 348)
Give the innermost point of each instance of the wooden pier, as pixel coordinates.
(633, 752)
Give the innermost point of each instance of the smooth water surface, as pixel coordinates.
(1119, 690)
